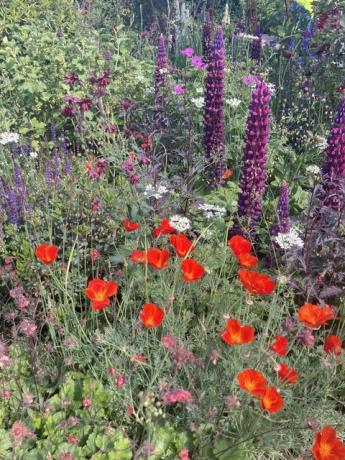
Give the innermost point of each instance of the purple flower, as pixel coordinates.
(333, 169)
(255, 51)
(179, 89)
(72, 79)
(253, 172)
(214, 112)
(206, 38)
(161, 71)
(282, 221)
(198, 62)
(189, 52)
(250, 80)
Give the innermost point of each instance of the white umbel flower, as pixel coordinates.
(212, 211)
(198, 102)
(313, 170)
(233, 102)
(180, 223)
(289, 240)
(155, 192)
(7, 138)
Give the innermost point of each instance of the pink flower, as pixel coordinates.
(250, 80)
(22, 302)
(231, 402)
(179, 89)
(66, 456)
(184, 454)
(120, 381)
(169, 342)
(5, 394)
(129, 410)
(189, 52)
(29, 329)
(94, 254)
(87, 402)
(306, 337)
(197, 62)
(112, 371)
(72, 440)
(19, 431)
(16, 292)
(177, 396)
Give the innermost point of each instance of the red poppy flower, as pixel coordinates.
(272, 401)
(235, 334)
(164, 228)
(256, 283)
(247, 260)
(333, 345)
(46, 253)
(314, 316)
(192, 270)
(327, 446)
(139, 257)
(252, 381)
(287, 374)
(151, 315)
(280, 345)
(130, 226)
(181, 244)
(158, 258)
(99, 291)
(240, 245)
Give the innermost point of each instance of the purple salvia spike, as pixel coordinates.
(13, 212)
(255, 51)
(333, 169)
(253, 172)
(161, 71)
(206, 38)
(214, 112)
(282, 221)
(67, 155)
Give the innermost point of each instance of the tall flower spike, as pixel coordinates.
(253, 172)
(214, 112)
(282, 221)
(161, 71)
(206, 38)
(333, 170)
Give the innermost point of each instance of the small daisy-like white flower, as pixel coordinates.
(155, 192)
(289, 240)
(233, 102)
(313, 170)
(180, 223)
(198, 102)
(212, 211)
(33, 154)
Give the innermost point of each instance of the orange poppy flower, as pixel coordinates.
(46, 253)
(130, 226)
(272, 401)
(158, 258)
(164, 228)
(151, 315)
(227, 174)
(235, 334)
(99, 291)
(192, 270)
(314, 316)
(252, 381)
(280, 345)
(327, 446)
(139, 257)
(181, 244)
(240, 245)
(287, 374)
(256, 283)
(333, 345)
(248, 260)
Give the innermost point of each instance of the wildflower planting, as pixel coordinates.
(172, 230)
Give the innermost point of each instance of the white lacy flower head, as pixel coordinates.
(163, 70)
(149, 90)
(33, 154)
(206, 233)
(313, 170)
(198, 102)
(155, 192)
(289, 240)
(321, 142)
(212, 211)
(233, 102)
(199, 90)
(247, 36)
(7, 138)
(180, 223)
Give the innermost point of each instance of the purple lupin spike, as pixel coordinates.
(214, 112)
(253, 172)
(282, 220)
(161, 71)
(206, 38)
(333, 169)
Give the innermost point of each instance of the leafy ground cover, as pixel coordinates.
(172, 230)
